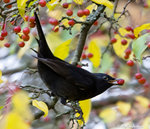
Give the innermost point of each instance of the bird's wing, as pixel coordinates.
(77, 76)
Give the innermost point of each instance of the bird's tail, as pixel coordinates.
(44, 50)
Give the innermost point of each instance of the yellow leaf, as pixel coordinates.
(19, 115)
(117, 46)
(107, 3)
(20, 102)
(146, 123)
(65, 22)
(1, 81)
(91, 7)
(41, 105)
(143, 101)
(15, 121)
(78, 1)
(21, 7)
(52, 4)
(94, 49)
(124, 107)
(108, 115)
(53, 44)
(23, 50)
(86, 109)
(137, 30)
(62, 51)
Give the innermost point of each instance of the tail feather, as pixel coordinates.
(43, 47)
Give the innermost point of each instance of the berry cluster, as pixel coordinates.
(7, 1)
(22, 33)
(128, 35)
(127, 53)
(85, 54)
(140, 78)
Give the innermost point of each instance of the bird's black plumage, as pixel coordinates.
(66, 80)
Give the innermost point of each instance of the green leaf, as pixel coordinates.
(21, 7)
(107, 63)
(139, 46)
(1, 107)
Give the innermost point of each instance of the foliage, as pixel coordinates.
(106, 34)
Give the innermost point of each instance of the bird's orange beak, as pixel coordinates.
(117, 81)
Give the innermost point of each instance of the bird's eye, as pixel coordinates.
(105, 78)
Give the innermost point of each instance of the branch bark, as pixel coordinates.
(84, 32)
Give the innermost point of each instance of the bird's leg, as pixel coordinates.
(77, 113)
(63, 100)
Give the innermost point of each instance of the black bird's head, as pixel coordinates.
(105, 81)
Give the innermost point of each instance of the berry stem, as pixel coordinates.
(138, 69)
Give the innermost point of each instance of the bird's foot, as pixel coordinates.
(77, 115)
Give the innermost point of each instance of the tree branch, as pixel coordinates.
(84, 31)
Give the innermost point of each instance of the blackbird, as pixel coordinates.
(66, 80)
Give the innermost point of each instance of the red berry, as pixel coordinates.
(71, 22)
(47, 119)
(146, 85)
(6, 1)
(32, 24)
(55, 29)
(62, 126)
(148, 105)
(148, 31)
(130, 36)
(148, 45)
(95, 23)
(124, 42)
(85, 47)
(90, 55)
(130, 63)
(126, 56)
(115, 31)
(32, 19)
(113, 40)
(69, 12)
(86, 12)
(25, 37)
(145, 5)
(142, 80)
(7, 45)
(42, 3)
(138, 75)
(53, 21)
(80, 13)
(83, 56)
(9, 6)
(120, 82)
(4, 33)
(79, 66)
(128, 51)
(16, 89)
(129, 28)
(17, 29)
(12, 22)
(26, 30)
(26, 18)
(65, 5)
(1, 38)
(21, 44)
